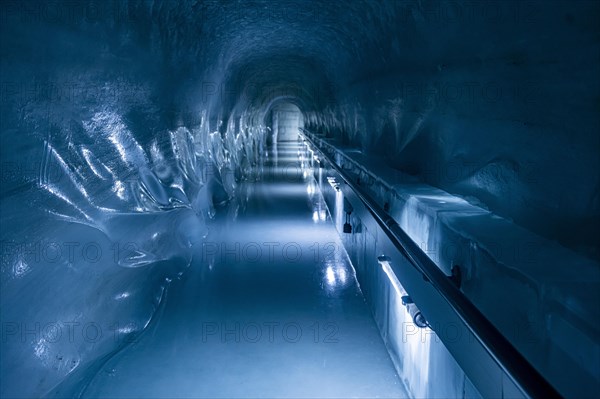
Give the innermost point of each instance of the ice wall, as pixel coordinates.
(107, 184)
(493, 102)
(122, 121)
(548, 313)
(483, 100)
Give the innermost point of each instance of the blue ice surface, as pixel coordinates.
(270, 307)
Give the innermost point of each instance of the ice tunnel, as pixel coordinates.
(299, 198)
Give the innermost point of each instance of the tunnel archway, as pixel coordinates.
(127, 126)
(286, 120)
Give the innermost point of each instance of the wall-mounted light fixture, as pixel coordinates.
(333, 183)
(417, 317)
(414, 312)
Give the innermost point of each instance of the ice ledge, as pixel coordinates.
(544, 297)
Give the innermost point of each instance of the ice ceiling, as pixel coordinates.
(123, 117)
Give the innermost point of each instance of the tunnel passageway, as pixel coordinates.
(164, 233)
(270, 307)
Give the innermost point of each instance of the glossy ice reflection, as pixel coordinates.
(269, 308)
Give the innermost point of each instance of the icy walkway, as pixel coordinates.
(269, 308)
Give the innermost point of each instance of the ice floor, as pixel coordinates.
(270, 307)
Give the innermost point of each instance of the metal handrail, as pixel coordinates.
(506, 356)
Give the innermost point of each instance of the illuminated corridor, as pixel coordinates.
(270, 308)
(299, 199)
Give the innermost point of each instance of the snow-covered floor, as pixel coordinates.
(270, 307)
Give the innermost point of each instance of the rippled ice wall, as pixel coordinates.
(120, 120)
(97, 232)
(108, 182)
